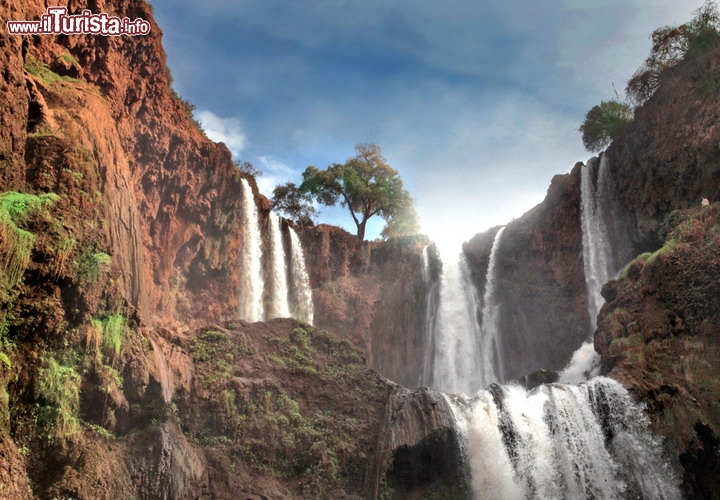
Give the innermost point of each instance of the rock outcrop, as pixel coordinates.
(540, 280)
(658, 334)
(374, 295)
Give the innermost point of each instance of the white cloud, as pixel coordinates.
(274, 173)
(227, 130)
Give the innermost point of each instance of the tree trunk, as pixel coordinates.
(361, 230)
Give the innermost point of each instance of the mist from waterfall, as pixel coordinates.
(561, 441)
(251, 291)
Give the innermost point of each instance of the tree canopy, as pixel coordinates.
(366, 185)
(603, 123)
(289, 201)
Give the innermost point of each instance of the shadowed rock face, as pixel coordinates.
(540, 281)
(419, 449)
(373, 295)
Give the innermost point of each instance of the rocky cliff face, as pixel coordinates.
(374, 295)
(658, 335)
(120, 236)
(169, 194)
(655, 333)
(541, 282)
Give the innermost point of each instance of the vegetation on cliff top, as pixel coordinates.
(367, 186)
(672, 44)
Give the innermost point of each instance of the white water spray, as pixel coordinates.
(251, 291)
(561, 441)
(277, 290)
(301, 302)
(491, 352)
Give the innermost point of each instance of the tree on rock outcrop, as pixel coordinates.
(366, 185)
(294, 204)
(603, 123)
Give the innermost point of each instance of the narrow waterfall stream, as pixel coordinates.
(277, 284)
(585, 362)
(301, 302)
(491, 352)
(251, 292)
(596, 247)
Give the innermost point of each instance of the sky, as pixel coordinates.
(476, 103)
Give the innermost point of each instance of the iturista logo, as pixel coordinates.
(57, 21)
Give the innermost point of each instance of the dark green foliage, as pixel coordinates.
(57, 388)
(603, 123)
(91, 265)
(15, 242)
(290, 202)
(217, 352)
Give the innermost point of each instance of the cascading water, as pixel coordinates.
(431, 307)
(286, 291)
(596, 247)
(251, 292)
(585, 362)
(277, 289)
(491, 352)
(458, 357)
(301, 303)
(561, 441)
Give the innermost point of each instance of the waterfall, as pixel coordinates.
(277, 289)
(456, 333)
(491, 353)
(596, 247)
(251, 291)
(561, 441)
(432, 286)
(301, 303)
(585, 362)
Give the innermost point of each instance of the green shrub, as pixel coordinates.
(113, 333)
(604, 123)
(43, 72)
(15, 211)
(91, 265)
(57, 387)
